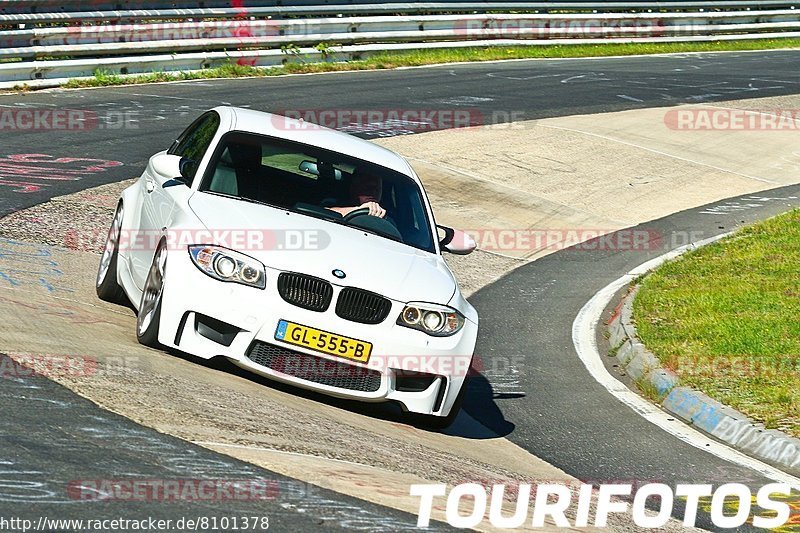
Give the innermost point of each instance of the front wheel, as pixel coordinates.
(106, 283)
(149, 315)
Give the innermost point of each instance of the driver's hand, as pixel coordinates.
(374, 209)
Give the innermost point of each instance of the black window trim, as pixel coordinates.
(191, 127)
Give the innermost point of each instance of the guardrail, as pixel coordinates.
(21, 11)
(71, 40)
(314, 6)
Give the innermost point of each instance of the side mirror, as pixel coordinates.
(456, 241)
(187, 168)
(166, 165)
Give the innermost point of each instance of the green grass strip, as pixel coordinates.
(726, 319)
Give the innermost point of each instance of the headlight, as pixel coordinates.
(226, 265)
(436, 320)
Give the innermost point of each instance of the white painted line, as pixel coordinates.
(583, 336)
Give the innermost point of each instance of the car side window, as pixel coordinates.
(195, 140)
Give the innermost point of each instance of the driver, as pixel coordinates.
(365, 192)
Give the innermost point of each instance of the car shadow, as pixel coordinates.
(480, 416)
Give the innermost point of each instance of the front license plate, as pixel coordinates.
(323, 341)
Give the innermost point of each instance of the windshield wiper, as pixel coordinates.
(373, 232)
(253, 201)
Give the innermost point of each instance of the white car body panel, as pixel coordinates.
(396, 271)
(371, 260)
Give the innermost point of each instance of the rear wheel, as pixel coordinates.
(106, 283)
(150, 307)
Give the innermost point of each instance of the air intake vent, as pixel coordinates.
(315, 369)
(304, 291)
(362, 306)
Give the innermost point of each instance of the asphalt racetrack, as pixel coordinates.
(129, 124)
(560, 413)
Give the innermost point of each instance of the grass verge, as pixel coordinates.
(297, 64)
(726, 319)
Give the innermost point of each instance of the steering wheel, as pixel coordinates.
(361, 211)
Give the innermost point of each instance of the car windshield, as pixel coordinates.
(311, 180)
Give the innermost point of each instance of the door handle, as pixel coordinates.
(149, 184)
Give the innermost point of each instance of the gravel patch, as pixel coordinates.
(76, 221)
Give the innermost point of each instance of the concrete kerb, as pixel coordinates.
(691, 406)
(639, 363)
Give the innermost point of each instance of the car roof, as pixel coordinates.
(281, 127)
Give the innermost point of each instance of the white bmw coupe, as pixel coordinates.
(300, 253)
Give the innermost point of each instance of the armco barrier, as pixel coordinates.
(45, 41)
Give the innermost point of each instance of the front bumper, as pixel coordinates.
(243, 322)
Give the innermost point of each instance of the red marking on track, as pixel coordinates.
(23, 171)
(21, 186)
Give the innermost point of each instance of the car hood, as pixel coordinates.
(299, 243)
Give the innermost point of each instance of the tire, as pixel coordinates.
(149, 315)
(106, 282)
